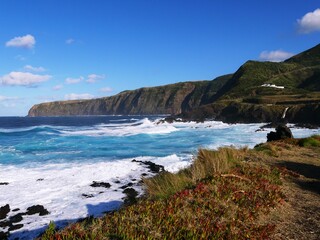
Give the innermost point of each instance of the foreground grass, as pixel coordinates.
(225, 194)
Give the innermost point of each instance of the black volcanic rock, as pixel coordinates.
(3, 235)
(15, 227)
(131, 196)
(154, 168)
(37, 209)
(282, 132)
(100, 184)
(16, 218)
(4, 211)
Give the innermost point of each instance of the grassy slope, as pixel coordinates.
(299, 74)
(243, 99)
(271, 191)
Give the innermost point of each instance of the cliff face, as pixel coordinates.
(168, 99)
(239, 112)
(256, 92)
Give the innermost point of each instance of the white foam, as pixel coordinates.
(144, 126)
(59, 188)
(206, 124)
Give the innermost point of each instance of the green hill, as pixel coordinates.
(256, 92)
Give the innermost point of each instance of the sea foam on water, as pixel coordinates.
(54, 162)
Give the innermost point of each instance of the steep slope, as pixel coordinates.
(168, 99)
(263, 91)
(256, 92)
(297, 75)
(310, 57)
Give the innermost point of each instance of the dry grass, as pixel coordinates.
(206, 164)
(225, 194)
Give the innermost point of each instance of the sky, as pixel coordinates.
(80, 49)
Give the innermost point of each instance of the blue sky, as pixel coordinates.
(69, 49)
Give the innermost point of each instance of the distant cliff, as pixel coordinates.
(168, 99)
(256, 92)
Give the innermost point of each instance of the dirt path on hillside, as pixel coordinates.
(299, 217)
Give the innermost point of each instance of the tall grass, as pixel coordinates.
(313, 141)
(225, 201)
(206, 164)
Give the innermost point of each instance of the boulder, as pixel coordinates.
(282, 132)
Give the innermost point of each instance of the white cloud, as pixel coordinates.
(92, 78)
(23, 79)
(106, 89)
(57, 87)
(4, 98)
(73, 80)
(27, 41)
(70, 41)
(310, 22)
(275, 56)
(34, 69)
(74, 96)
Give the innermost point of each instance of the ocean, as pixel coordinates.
(55, 161)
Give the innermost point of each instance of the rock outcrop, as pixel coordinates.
(282, 132)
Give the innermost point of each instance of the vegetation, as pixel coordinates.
(199, 100)
(225, 194)
(313, 141)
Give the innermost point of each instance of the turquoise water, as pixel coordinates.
(53, 161)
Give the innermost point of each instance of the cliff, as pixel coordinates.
(256, 92)
(168, 99)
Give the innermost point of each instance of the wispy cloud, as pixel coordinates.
(73, 80)
(275, 56)
(57, 87)
(93, 78)
(310, 22)
(20, 58)
(106, 89)
(8, 101)
(27, 41)
(34, 69)
(74, 96)
(23, 79)
(4, 98)
(70, 41)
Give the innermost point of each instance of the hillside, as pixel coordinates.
(168, 99)
(256, 92)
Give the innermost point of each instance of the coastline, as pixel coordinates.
(285, 215)
(99, 184)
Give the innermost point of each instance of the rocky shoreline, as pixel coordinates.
(10, 219)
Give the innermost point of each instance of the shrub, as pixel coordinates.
(313, 141)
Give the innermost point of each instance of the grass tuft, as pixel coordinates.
(210, 162)
(206, 164)
(313, 141)
(166, 183)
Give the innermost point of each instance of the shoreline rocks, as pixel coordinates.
(282, 132)
(12, 222)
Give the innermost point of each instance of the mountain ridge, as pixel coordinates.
(266, 88)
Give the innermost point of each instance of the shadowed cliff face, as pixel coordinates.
(168, 99)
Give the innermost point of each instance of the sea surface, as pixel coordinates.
(52, 161)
